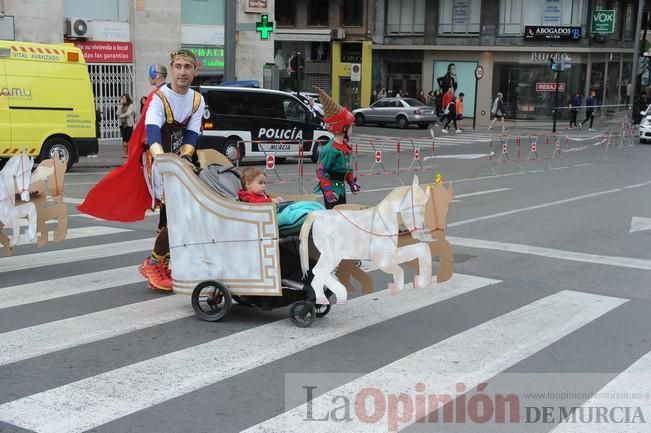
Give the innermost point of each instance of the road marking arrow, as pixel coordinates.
(639, 224)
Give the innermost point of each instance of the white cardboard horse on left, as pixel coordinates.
(16, 178)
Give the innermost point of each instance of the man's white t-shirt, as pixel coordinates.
(181, 108)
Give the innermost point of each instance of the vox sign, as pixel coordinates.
(603, 21)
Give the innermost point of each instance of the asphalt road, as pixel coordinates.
(549, 305)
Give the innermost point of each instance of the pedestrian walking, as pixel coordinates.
(422, 97)
(127, 117)
(382, 94)
(172, 123)
(459, 105)
(590, 102)
(575, 103)
(445, 102)
(451, 112)
(497, 111)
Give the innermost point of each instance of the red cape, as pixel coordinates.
(122, 195)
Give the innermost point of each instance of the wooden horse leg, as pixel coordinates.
(397, 272)
(442, 249)
(41, 223)
(4, 241)
(61, 214)
(348, 270)
(422, 253)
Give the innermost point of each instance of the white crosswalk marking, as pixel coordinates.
(625, 393)
(83, 232)
(72, 200)
(91, 402)
(50, 337)
(370, 143)
(27, 261)
(67, 286)
(471, 357)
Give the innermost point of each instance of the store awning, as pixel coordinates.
(309, 35)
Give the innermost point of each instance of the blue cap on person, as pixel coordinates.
(156, 69)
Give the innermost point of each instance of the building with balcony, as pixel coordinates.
(331, 37)
(415, 42)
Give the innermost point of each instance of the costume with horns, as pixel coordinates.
(334, 168)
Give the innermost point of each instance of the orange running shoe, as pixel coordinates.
(159, 278)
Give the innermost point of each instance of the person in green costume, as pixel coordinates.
(334, 170)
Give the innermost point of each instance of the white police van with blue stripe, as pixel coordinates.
(249, 123)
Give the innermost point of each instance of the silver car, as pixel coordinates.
(401, 111)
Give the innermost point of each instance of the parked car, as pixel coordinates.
(645, 125)
(401, 111)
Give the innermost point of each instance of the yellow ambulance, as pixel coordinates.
(46, 102)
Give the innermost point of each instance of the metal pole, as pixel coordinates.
(558, 78)
(230, 26)
(298, 72)
(474, 114)
(636, 50)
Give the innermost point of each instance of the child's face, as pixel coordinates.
(258, 185)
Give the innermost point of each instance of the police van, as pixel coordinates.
(249, 123)
(46, 102)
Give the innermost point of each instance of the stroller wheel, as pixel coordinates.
(322, 310)
(302, 313)
(211, 301)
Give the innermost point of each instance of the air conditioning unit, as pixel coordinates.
(77, 27)
(338, 34)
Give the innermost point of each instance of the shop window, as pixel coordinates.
(285, 13)
(459, 17)
(516, 14)
(523, 99)
(405, 16)
(352, 13)
(318, 13)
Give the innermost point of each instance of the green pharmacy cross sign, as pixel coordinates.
(264, 27)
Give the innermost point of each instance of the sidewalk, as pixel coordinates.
(109, 156)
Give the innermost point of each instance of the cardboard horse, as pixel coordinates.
(374, 235)
(40, 201)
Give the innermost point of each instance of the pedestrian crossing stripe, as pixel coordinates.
(72, 255)
(471, 357)
(14, 296)
(50, 337)
(625, 391)
(88, 403)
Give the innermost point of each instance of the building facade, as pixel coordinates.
(121, 38)
(415, 42)
(330, 42)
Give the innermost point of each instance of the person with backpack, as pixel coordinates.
(497, 111)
